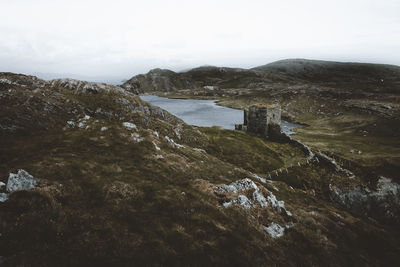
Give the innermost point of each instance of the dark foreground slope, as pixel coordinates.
(123, 183)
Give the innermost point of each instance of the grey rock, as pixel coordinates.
(244, 202)
(3, 197)
(20, 181)
(240, 185)
(130, 126)
(257, 199)
(172, 143)
(274, 230)
(384, 202)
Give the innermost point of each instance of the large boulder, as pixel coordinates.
(20, 181)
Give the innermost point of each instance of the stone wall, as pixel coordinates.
(274, 114)
(260, 118)
(257, 120)
(263, 120)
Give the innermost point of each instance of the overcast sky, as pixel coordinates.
(122, 38)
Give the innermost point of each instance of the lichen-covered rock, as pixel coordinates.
(274, 202)
(387, 190)
(136, 137)
(260, 196)
(384, 202)
(386, 198)
(244, 202)
(241, 200)
(238, 186)
(172, 143)
(20, 181)
(274, 230)
(130, 126)
(3, 197)
(355, 199)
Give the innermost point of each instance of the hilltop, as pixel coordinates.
(330, 71)
(167, 80)
(288, 71)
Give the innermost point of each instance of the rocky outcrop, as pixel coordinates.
(252, 197)
(8, 79)
(381, 203)
(34, 83)
(259, 197)
(19, 181)
(274, 230)
(85, 87)
(158, 80)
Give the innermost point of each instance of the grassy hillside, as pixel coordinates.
(122, 183)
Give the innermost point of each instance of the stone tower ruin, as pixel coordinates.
(264, 120)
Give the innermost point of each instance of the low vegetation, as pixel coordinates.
(116, 195)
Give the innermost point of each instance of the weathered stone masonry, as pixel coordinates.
(261, 119)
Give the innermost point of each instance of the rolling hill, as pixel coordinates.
(284, 71)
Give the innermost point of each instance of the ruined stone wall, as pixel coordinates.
(262, 120)
(274, 114)
(258, 120)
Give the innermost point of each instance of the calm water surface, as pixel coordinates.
(205, 113)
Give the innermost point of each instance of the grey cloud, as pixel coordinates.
(122, 38)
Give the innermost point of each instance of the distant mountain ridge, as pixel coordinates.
(288, 70)
(330, 70)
